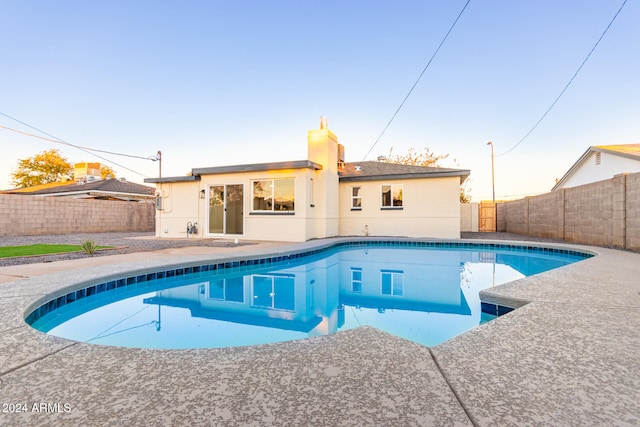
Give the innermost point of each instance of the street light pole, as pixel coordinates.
(493, 184)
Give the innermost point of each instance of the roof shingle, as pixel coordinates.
(373, 170)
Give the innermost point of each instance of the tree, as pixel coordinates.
(425, 158)
(107, 172)
(413, 157)
(43, 168)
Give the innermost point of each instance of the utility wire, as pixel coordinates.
(85, 149)
(77, 146)
(567, 85)
(418, 79)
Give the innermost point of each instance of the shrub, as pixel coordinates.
(89, 247)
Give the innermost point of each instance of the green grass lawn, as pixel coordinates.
(39, 249)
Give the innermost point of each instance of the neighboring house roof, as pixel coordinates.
(103, 189)
(38, 187)
(374, 170)
(628, 151)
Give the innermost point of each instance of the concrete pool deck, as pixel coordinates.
(569, 356)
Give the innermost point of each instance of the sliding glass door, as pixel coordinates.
(226, 209)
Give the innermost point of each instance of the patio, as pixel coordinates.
(568, 357)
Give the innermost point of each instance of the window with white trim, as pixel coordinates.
(231, 289)
(356, 198)
(391, 196)
(392, 282)
(356, 280)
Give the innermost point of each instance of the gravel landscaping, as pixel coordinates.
(122, 243)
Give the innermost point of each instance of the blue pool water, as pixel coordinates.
(424, 294)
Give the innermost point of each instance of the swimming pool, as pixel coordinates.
(423, 291)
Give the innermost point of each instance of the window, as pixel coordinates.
(391, 196)
(356, 280)
(356, 198)
(231, 289)
(392, 283)
(273, 195)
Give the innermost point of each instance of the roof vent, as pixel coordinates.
(358, 168)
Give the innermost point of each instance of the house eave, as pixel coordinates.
(463, 174)
(186, 178)
(257, 167)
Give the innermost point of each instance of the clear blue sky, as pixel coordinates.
(214, 83)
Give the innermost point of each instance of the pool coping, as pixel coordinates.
(459, 382)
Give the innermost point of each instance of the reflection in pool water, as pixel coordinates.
(424, 295)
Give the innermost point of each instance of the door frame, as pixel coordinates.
(224, 219)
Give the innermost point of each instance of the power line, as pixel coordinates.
(76, 146)
(568, 84)
(85, 149)
(418, 79)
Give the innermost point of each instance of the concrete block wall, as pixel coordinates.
(501, 214)
(603, 213)
(517, 216)
(589, 214)
(22, 215)
(543, 215)
(632, 213)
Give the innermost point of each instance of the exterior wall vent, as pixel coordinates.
(598, 157)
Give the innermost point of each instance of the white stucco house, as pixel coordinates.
(601, 162)
(319, 197)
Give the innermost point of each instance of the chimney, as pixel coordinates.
(323, 146)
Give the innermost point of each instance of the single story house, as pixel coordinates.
(319, 197)
(601, 162)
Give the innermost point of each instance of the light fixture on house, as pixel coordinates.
(202, 194)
